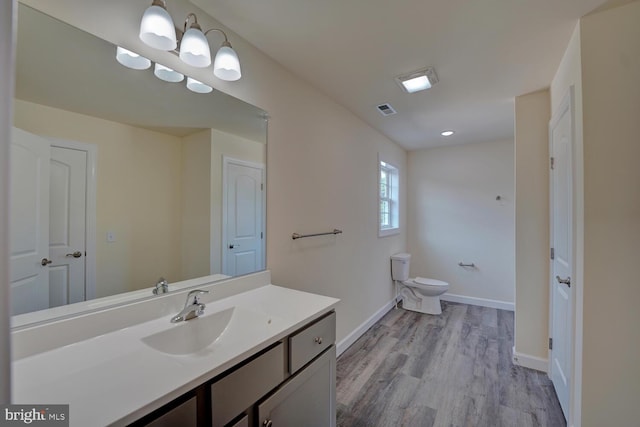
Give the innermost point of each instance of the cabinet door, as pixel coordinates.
(307, 399)
(184, 415)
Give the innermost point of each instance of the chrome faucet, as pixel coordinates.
(162, 286)
(192, 307)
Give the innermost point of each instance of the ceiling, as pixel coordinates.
(485, 53)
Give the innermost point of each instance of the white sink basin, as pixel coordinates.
(191, 336)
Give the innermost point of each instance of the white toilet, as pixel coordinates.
(419, 294)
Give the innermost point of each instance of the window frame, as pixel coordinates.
(393, 190)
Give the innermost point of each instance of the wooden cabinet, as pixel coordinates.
(307, 399)
(245, 385)
(291, 383)
(184, 415)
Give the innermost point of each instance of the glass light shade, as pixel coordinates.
(167, 74)
(198, 87)
(227, 65)
(131, 59)
(157, 29)
(194, 49)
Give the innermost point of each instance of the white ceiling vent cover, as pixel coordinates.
(386, 110)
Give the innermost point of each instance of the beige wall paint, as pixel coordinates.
(224, 144)
(532, 114)
(454, 216)
(138, 194)
(196, 205)
(610, 71)
(322, 166)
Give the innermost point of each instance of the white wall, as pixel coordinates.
(453, 216)
(533, 112)
(610, 50)
(322, 166)
(7, 55)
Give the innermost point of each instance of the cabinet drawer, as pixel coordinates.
(311, 341)
(241, 388)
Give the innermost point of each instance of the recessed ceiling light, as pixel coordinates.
(447, 133)
(418, 80)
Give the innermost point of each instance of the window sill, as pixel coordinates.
(388, 232)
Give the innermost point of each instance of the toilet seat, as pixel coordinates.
(422, 282)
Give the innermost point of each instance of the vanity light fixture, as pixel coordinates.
(418, 80)
(447, 133)
(158, 31)
(133, 60)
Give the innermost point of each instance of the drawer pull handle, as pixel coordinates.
(267, 423)
(318, 340)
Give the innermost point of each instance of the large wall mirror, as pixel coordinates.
(120, 179)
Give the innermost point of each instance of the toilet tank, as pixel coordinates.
(400, 266)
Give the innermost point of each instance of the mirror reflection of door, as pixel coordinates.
(243, 217)
(49, 223)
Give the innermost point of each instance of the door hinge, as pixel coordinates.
(553, 253)
(261, 186)
(261, 235)
(553, 161)
(550, 343)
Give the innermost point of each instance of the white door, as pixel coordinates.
(243, 211)
(29, 216)
(67, 225)
(48, 223)
(561, 203)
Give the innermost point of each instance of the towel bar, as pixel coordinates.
(295, 236)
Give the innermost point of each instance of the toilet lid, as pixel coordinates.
(431, 282)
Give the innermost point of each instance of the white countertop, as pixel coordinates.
(115, 378)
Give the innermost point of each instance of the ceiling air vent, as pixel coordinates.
(386, 109)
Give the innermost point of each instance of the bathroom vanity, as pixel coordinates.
(260, 355)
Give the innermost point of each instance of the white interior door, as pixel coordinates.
(561, 137)
(243, 218)
(29, 216)
(67, 225)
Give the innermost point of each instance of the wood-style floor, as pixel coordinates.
(413, 369)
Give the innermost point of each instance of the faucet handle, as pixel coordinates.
(196, 296)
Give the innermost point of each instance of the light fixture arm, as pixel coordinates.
(226, 40)
(161, 3)
(194, 25)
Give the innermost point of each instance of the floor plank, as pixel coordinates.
(413, 369)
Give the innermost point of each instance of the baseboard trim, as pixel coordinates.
(528, 361)
(347, 341)
(483, 302)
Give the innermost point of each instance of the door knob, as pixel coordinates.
(45, 262)
(267, 423)
(566, 281)
(76, 254)
(231, 246)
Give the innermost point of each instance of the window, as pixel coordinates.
(388, 199)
